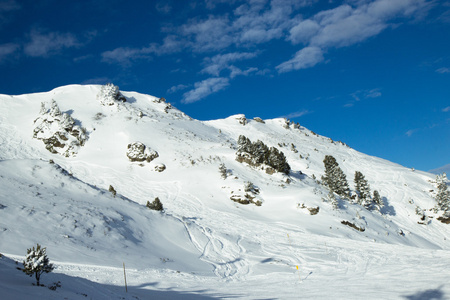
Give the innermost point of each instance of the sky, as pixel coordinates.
(374, 74)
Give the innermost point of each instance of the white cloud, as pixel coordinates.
(443, 70)
(222, 61)
(7, 49)
(303, 31)
(6, 7)
(9, 5)
(374, 93)
(236, 71)
(447, 109)
(43, 45)
(364, 94)
(409, 133)
(97, 80)
(297, 114)
(207, 35)
(346, 25)
(177, 88)
(125, 56)
(306, 58)
(205, 88)
(163, 7)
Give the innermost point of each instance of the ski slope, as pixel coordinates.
(204, 246)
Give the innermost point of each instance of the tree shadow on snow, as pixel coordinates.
(72, 287)
(131, 99)
(387, 209)
(432, 294)
(297, 175)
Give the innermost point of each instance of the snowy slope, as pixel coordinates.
(204, 245)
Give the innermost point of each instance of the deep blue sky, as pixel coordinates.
(374, 74)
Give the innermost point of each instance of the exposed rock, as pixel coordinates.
(259, 120)
(155, 205)
(139, 152)
(353, 226)
(160, 167)
(242, 120)
(58, 131)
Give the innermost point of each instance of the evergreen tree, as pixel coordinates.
(334, 177)
(331, 197)
(443, 194)
(377, 200)
(223, 171)
(362, 189)
(36, 262)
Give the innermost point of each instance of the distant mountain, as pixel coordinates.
(443, 169)
(245, 211)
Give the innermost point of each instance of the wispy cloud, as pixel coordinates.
(9, 5)
(205, 88)
(6, 7)
(7, 50)
(97, 80)
(177, 88)
(447, 109)
(217, 63)
(163, 7)
(362, 95)
(46, 44)
(306, 58)
(296, 114)
(238, 72)
(125, 56)
(410, 132)
(443, 70)
(366, 94)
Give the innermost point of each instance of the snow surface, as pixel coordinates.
(204, 246)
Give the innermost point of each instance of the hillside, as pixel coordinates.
(58, 161)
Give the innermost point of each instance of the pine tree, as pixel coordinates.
(443, 194)
(362, 189)
(377, 200)
(334, 177)
(36, 262)
(223, 171)
(332, 199)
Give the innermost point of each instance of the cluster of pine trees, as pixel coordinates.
(258, 153)
(336, 181)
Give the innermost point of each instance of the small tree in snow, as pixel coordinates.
(362, 190)
(223, 171)
(377, 200)
(155, 205)
(109, 94)
(36, 262)
(443, 194)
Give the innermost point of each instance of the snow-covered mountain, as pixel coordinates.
(78, 165)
